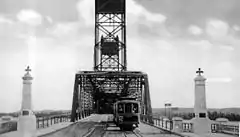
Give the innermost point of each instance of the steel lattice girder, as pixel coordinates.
(110, 36)
(110, 55)
(91, 86)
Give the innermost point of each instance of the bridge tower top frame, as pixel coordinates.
(110, 35)
(97, 90)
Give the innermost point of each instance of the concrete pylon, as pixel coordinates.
(26, 125)
(201, 122)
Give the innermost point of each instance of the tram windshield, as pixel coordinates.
(135, 108)
(128, 108)
(131, 108)
(120, 108)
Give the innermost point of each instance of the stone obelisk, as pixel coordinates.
(201, 122)
(27, 120)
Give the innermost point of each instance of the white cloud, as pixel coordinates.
(195, 30)
(86, 11)
(32, 43)
(49, 19)
(30, 17)
(64, 29)
(217, 28)
(236, 28)
(224, 69)
(5, 20)
(204, 44)
(221, 80)
(133, 8)
(163, 44)
(76, 53)
(226, 47)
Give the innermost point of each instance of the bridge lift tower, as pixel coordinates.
(97, 90)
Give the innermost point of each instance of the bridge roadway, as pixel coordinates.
(99, 126)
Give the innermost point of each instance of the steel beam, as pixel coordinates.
(97, 90)
(110, 36)
(105, 88)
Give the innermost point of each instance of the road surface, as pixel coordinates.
(99, 126)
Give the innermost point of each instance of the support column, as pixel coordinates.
(27, 120)
(177, 124)
(201, 122)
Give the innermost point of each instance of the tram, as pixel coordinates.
(126, 113)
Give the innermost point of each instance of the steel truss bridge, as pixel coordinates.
(96, 91)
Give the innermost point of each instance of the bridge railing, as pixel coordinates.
(186, 126)
(225, 128)
(43, 121)
(8, 126)
(83, 114)
(215, 128)
(158, 122)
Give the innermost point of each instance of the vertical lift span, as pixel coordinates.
(97, 90)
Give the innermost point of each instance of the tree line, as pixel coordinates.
(38, 114)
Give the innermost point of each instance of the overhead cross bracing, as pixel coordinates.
(110, 36)
(93, 90)
(97, 90)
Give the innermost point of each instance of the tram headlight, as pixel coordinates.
(120, 118)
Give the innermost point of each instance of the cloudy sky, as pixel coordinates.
(167, 39)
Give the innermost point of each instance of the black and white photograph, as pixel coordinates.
(119, 68)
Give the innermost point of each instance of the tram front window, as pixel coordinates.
(120, 108)
(135, 108)
(128, 108)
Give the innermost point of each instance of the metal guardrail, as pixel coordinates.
(164, 124)
(83, 114)
(42, 122)
(161, 123)
(158, 122)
